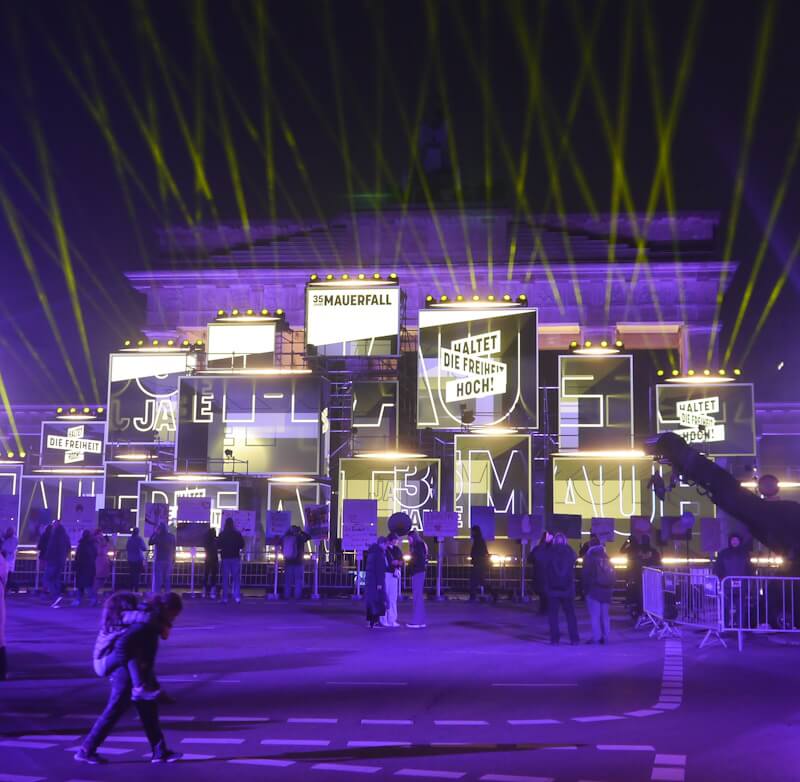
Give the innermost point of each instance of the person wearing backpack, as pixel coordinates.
(294, 542)
(560, 588)
(598, 578)
(231, 544)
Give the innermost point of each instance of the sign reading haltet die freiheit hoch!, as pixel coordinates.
(353, 318)
(68, 443)
(480, 362)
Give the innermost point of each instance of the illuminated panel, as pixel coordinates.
(143, 396)
(592, 487)
(238, 345)
(374, 411)
(122, 484)
(224, 495)
(595, 402)
(272, 423)
(717, 419)
(352, 318)
(481, 362)
(492, 470)
(72, 443)
(410, 485)
(51, 493)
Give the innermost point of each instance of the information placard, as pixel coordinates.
(359, 524)
(477, 365)
(115, 521)
(194, 509)
(243, 520)
(318, 521)
(72, 443)
(278, 523)
(78, 514)
(440, 524)
(192, 534)
(524, 527)
(155, 514)
(603, 528)
(483, 516)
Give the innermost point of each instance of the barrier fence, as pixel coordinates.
(699, 600)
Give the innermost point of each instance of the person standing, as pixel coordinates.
(85, 567)
(481, 566)
(375, 586)
(103, 566)
(8, 548)
(598, 579)
(417, 567)
(734, 561)
(164, 611)
(56, 553)
(163, 543)
(560, 587)
(4, 571)
(294, 542)
(394, 562)
(537, 559)
(211, 568)
(135, 549)
(231, 545)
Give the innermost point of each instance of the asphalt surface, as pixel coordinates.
(270, 691)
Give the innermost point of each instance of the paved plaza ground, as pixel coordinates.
(269, 691)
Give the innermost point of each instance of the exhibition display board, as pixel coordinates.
(72, 443)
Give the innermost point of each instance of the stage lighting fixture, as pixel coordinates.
(101, 410)
(737, 372)
(199, 343)
(59, 410)
(127, 343)
(443, 298)
(429, 298)
(314, 277)
(155, 343)
(722, 372)
(706, 372)
(660, 373)
(22, 454)
(392, 276)
(220, 313)
(250, 313)
(170, 342)
(506, 297)
(86, 410)
(235, 312)
(362, 276)
(265, 313)
(675, 373)
(10, 455)
(139, 343)
(329, 277)
(186, 343)
(376, 276)
(73, 410)
(522, 297)
(279, 313)
(345, 276)
(690, 373)
(476, 297)
(490, 297)
(618, 343)
(459, 297)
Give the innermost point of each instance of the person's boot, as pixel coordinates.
(3, 663)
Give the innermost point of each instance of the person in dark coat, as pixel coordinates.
(211, 570)
(481, 566)
(55, 557)
(734, 561)
(537, 559)
(376, 582)
(135, 548)
(560, 587)
(85, 567)
(231, 545)
(598, 579)
(163, 543)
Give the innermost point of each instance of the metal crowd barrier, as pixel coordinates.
(697, 599)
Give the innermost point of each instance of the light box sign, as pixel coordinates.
(717, 419)
(355, 318)
(491, 470)
(273, 424)
(224, 495)
(593, 487)
(122, 484)
(241, 344)
(410, 485)
(72, 443)
(595, 402)
(374, 415)
(143, 396)
(477, 362)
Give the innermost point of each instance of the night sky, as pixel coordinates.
(79, 78)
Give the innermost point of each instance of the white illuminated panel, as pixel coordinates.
(229, 341)
(353, 319)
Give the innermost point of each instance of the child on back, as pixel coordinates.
(119, 643)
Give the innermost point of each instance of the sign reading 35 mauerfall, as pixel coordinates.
(481, 362)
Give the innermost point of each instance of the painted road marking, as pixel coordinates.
(365, 744)
(19, 778)
(534, 722)
(670, 760)
(626, 748)
(192, 756)
(642, 713)
(295, 742)
(240, 719)
(513, 778)
(26, 744)
(134, 739)
(347, 769)
(531, 684)
(421, 772)
(451, 723)
(598, 718)
(367, 684)
(107, 750)
(211, 740)
(262, 762)
(175, 718)
(668, 774)
(50, 737)
(313, 720)
(32, 714)
(387, 722)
